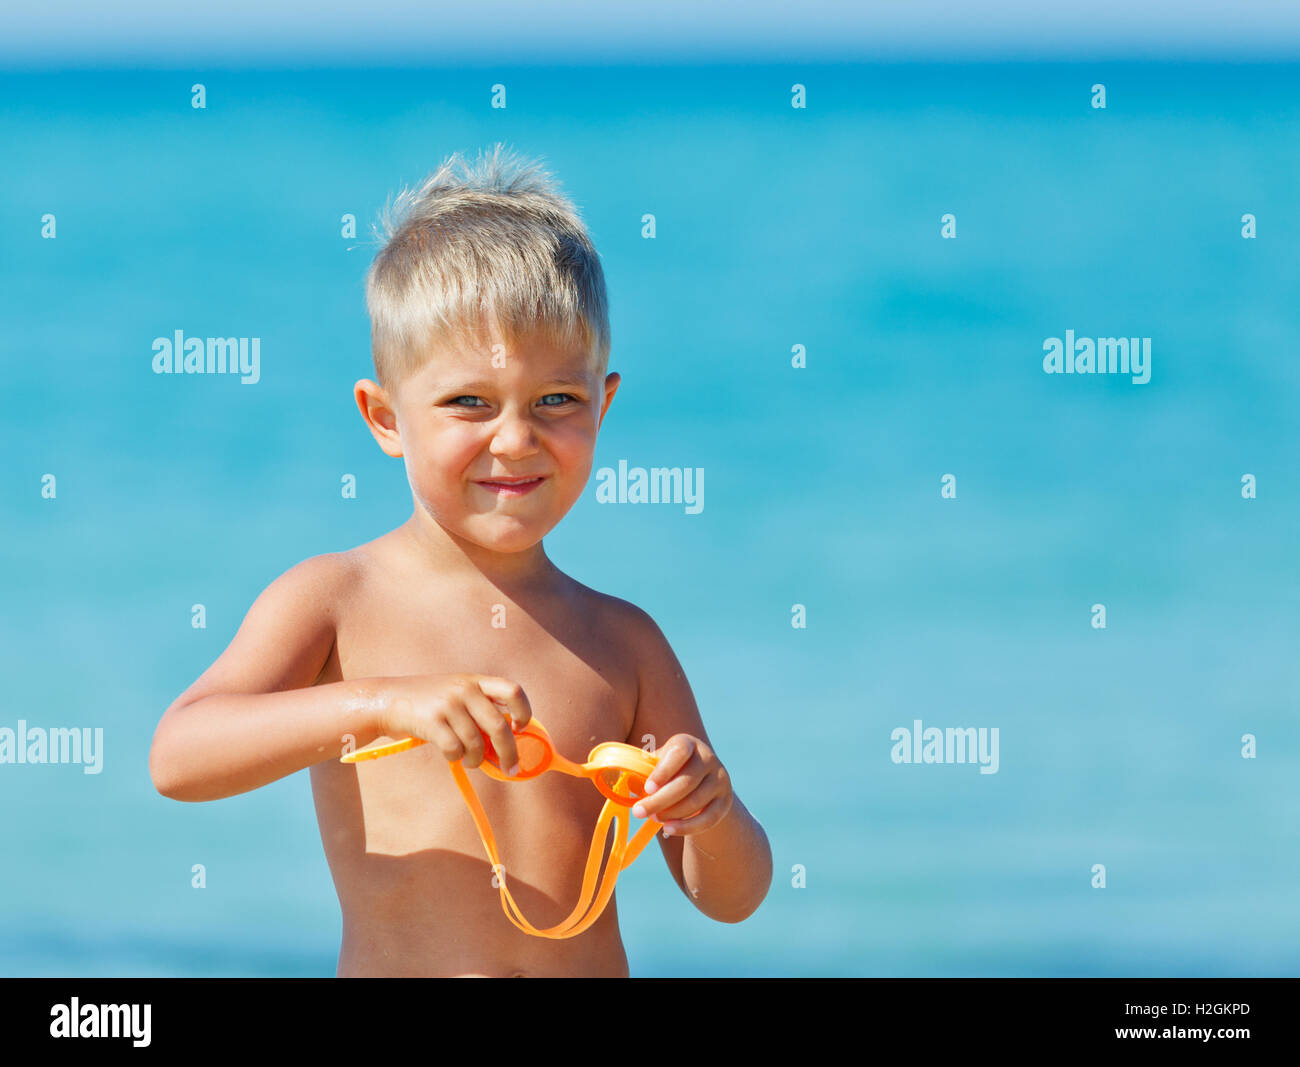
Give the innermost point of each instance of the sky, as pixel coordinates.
(252, 32)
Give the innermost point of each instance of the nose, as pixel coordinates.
(514, 438)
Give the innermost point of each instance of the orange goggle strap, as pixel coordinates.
(587, 911)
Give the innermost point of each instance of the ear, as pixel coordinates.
(381, 419)
(611, 387)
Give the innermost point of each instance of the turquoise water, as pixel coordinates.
(775, 227)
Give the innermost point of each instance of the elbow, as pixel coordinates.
(745, 912)
(732, 918)
(760, 884)
(161, 774)
(740, 909)
(737, 913)
(158, 776)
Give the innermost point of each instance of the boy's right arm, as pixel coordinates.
(255, 715)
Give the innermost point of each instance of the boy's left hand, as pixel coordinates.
(689, 790)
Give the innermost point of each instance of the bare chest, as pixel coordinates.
(577, 676)
(396, 830)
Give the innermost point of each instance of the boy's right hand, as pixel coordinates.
(449, 710)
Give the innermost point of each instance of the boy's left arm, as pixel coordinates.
(716, 850)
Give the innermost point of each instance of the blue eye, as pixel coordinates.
(562, 397)
(458, 399)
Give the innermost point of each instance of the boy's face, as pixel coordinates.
(496, 454)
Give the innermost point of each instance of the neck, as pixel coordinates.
(456, 556)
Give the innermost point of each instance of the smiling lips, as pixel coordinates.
(511, 486)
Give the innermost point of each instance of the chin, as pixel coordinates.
(509, 539)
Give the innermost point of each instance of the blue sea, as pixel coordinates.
(944, 511)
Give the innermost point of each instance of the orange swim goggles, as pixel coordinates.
(619, 771)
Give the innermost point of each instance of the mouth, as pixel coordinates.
(510, 487)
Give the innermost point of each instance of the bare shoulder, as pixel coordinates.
(640, 638)
(321, 582)
(338, 576)
(300, 610)
(622, 620)
(287, 633)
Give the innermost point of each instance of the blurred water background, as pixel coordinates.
(776, 227)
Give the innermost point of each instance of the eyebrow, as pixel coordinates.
(482, 384)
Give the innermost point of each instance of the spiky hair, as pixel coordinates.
(479, 246)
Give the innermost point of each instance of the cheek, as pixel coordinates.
(575, 447)
(576, 456)
(440, 456)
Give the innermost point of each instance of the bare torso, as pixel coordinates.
(413, 880)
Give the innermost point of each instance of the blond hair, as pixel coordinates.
(477, 247)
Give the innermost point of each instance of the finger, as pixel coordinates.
(445, 738)
(493, 722)
(666, 796)
(714, 812)
(670, 760)
(462, 723)
(509, 693)
(693, 803)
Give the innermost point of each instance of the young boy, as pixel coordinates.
(490, 337)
